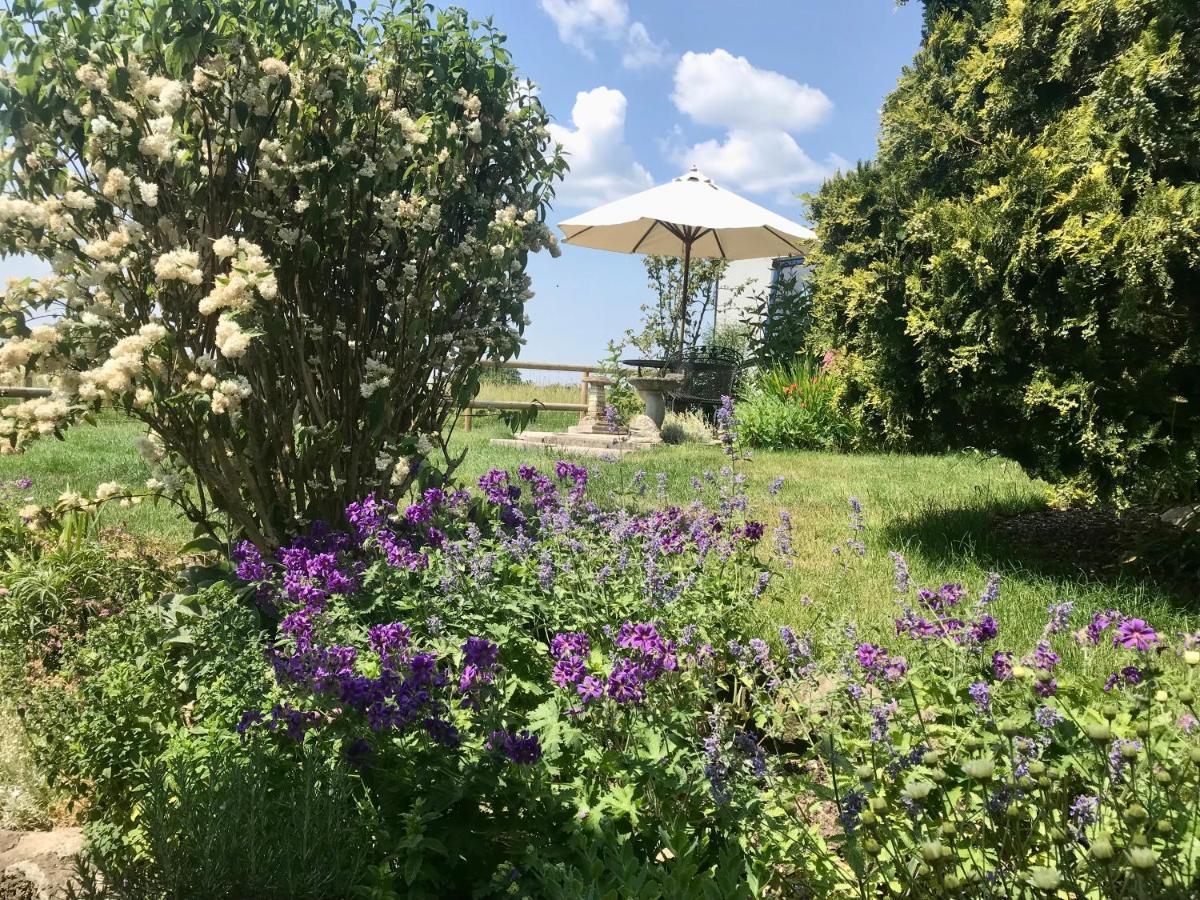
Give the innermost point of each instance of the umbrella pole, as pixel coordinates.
(683, 300)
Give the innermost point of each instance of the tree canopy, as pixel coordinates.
(1017, 269)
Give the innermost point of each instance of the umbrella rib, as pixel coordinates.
(584, 230)
(644, 236)
(717, 235)
(782, 238)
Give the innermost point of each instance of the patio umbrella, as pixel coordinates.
(688, 217)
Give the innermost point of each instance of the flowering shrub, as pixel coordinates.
(282, 239)
(526, 690)
(796, 407)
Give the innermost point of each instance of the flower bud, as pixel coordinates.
(1044, 878)
(1143, 858)
(1191, 657)
(1022, 672)
(870, 845)
(868, 817)
(1141, 728)
(931, 851)
(1194, 753)
(1102, 849)
(1161, 696)
(917, 789)
(1037, 767)
(931, 758)
(879, 804)
(1109, 711)
(1162, 776)
(1135, 812)
(983, 769)
(1008, 727)
(949, 829)
(1099, 732)
(865, 772)
(952, 882)
(1163, 826)
(1129, 750)
(1186, 696)
(938, 775)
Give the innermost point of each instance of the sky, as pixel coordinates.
(767, 97)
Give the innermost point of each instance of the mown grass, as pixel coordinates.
(938, 511)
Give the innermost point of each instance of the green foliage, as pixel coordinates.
(1013, 271)
(796, 407)
(224, 820)
(660, 326)
(782, 319)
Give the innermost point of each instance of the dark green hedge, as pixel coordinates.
(1019, 269)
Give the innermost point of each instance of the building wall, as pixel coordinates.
(754, 278)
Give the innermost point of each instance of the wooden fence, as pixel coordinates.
(491, 405)
(24, 393)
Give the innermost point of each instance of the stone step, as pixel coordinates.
(569, 447)
(583, 439)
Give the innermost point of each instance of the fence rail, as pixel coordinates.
(24, 392)
(585, 371)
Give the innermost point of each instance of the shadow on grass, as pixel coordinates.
(1001, 533)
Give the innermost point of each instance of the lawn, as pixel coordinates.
(938, 511)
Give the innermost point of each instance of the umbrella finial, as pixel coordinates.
(694, 174)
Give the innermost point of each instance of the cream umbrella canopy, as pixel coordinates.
(689, 216)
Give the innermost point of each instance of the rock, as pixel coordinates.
(37, 865)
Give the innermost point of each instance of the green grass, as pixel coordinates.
(936, 510)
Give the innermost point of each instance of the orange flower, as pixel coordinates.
(789, 390)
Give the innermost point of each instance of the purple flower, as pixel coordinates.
(775, 485)
(521, 749)
(569, 643)
(480, 652)
(1084, 809)
(1135, 634)
(569, 671)
(1047, 716)
(1002, 668)
(590, 688)
(982, 695)
(900, 568)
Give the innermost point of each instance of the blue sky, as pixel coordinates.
(766, 96)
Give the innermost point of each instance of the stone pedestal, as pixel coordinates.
(593, 421)
(652, 390)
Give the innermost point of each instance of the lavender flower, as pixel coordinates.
(901, 572)
(982, 695)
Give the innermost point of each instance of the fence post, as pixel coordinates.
(583, 391)
(468, 418)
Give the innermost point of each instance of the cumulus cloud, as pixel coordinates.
(578, 21)
(761, 162)
(758, 110)
(581, 23)
(719, 88)
(642, 51)
(603, 166)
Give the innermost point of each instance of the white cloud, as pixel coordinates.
(602, 164)
(642, 51)
(581, 22)
(719, 88)
(766, 161)
(758, 109)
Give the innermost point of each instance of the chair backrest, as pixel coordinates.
(710, 372)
